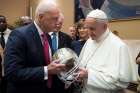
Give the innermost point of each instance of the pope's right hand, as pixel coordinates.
(55, 67)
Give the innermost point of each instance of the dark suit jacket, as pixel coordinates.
(64, 40)
(24, 61)
(77, 46)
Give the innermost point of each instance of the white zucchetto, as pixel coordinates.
(97, 14)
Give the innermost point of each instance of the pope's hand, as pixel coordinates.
(55, 67)
(83, 73)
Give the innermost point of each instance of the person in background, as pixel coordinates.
(60, 40)
(83, 36)
(4, 31)
(28, 64)
(138, 62)
(22, 21)
(25, 20)
(4, 34)
(73, 33)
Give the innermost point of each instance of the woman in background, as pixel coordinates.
(83, 36)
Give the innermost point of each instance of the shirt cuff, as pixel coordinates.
(45, 73)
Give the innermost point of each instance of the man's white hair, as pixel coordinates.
(61, 18)
(45, 6)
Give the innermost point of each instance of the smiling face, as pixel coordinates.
(83, 33)
(95, 29)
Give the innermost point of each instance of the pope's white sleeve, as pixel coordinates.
(128, 68)
(104, 80)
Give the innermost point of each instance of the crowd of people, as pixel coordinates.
(26, 54)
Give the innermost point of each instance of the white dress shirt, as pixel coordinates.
(6, 34)
(45, 67)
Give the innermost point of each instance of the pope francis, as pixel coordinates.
(106, 64)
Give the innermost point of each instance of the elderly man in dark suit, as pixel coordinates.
(27, 62)
(60, 40)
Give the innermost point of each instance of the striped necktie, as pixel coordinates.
(54, 42)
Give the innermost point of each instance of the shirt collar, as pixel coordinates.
(7, 31)
(51, 33)
(38, 29)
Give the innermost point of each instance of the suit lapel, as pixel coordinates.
(38, 44)
(60, 40)
(50, 41)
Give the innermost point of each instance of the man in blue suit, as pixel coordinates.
(27, 54)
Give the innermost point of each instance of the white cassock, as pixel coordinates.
(109, 64)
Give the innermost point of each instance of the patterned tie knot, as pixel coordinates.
(54, 34)
(44, 37)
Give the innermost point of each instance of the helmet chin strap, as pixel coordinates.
(68, 83)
